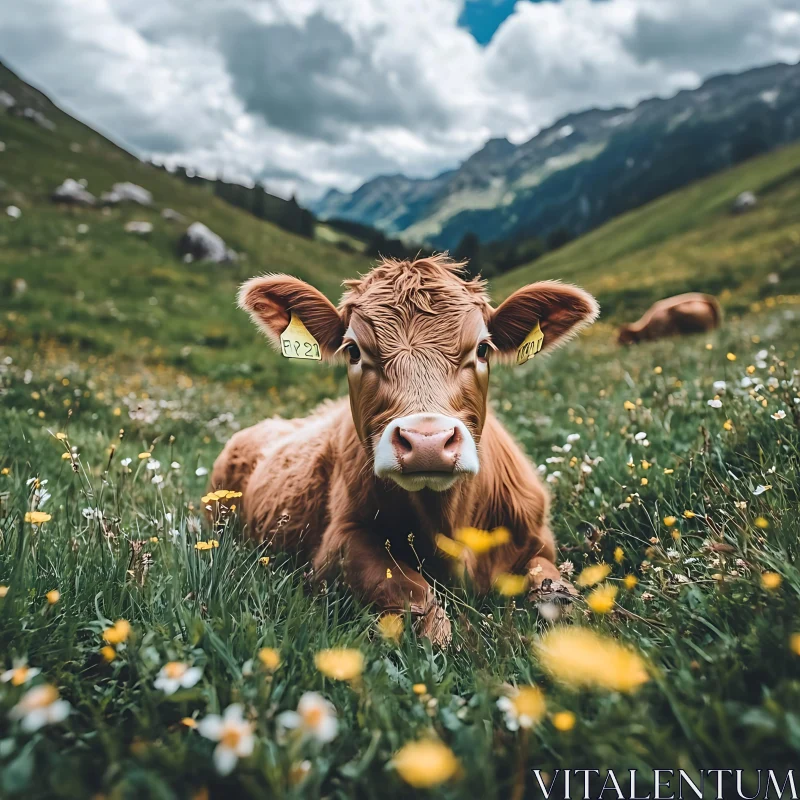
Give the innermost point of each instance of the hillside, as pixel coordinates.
(108, 291)
(587, 167)
(690, 240)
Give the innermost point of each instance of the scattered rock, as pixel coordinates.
(40, 119)
(744, 202)
(773, 278)
(2, 147)
(172, 215)
(127, 192)
(139, 226)
(13, 212)
(83, 228)
(202, 244)
(72, 192)
(6, 101)
(75, 148)
(19, 286)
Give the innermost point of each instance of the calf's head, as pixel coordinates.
(418, 340)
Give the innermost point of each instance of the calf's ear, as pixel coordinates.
(560, 309)
(271, 300)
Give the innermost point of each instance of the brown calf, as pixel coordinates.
(684, 313)
(364, 487)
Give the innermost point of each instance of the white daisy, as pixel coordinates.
(234, 734)
(176, 675)
(40, 706)
(20, 673)
(315, 718)
(779, 414)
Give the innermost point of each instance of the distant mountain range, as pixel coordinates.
(587, 167)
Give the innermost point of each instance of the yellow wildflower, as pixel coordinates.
(340, 664)
(425, 764)
(794, 643)
(628, 406)
(482, 541)
(118, 632)
(728, 425)
(601, 600)
(388, 574)
(670, 521)
(391, 627)
(37, 517)
(658, 370)
(419, 688)
(594, 574)
(771, 581)
(750, 370)
(264, 561)
(630, 581)
(5, 471)
(619, 555)
(189, 722)
(449, 547)
(146, 454)
(731, 357)
(644, 481)
(579, 657)
(53, 596)
(646, 464)
(761, 522)
(3, 591)
(270, 658)
(668, 471)
(108, 653)
(211, 543)
(524, 709)
(510, 585)
(564, 720)
(689, 514)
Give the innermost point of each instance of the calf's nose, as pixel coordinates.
(427, 447)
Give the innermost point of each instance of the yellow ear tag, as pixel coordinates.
(297, 342)
(531, 346)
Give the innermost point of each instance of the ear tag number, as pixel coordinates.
(297, 342)
(531, 346)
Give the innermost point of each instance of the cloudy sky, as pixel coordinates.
(309, 94)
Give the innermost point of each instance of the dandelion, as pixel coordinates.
(482, 541)
(564, 720)
(731, 356)
(264, 561)
(425, 763)
(510, 585)
(657, 370)
(579, 657)
(619, 555)
(771, 581)
(668, 471)
(794, 643)
(315, 718)
(53, 596)
(630, 581)
(780, 414)
(644, 481)
(270, 658)
(108, 653)
(670, 521)
(118, 632)
(340, 664)
(176, 675)
(234, 734)
(189, 722)
(728, 425)
(419, 689)
(391, 627)
(209, 545)
(144, 455)
(40, 706)
(594, 574)
(524, 709)
(601, 600)
(628, 406)
(688, 514)
(37, 517)
(19, 674)
(761, 522)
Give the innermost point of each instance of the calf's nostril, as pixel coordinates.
(400, 443)
(453, 443)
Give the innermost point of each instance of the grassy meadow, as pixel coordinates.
(129, 622)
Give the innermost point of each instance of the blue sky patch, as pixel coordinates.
(483, 17)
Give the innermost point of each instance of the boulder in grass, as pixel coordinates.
(127, 193)
(202, 244)
(72, 192)
(7, 101)
(13, 212)
(141, 227)
(172, 215)
(744, 202)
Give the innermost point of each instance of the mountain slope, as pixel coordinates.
(587, 167)
(105, 290)
(690, 240)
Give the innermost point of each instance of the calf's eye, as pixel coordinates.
(483, 351)
(354, 353)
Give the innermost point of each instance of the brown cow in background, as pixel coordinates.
(684, 313)
(363, 488)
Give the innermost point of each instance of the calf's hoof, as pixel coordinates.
(435, 625)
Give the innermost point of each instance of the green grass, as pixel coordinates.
(689, 241)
